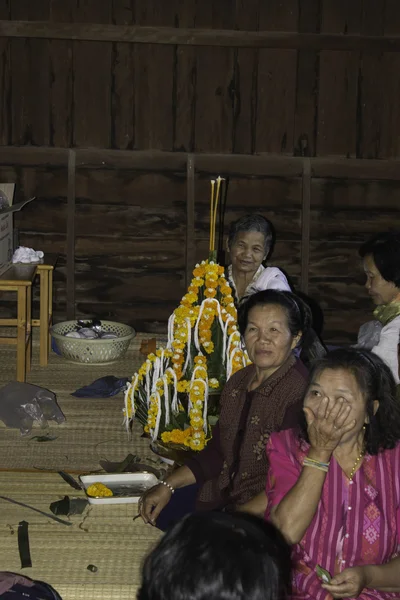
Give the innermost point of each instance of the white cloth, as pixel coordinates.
(265, 278)
(387, 347)
(27, 255)
(270, 278)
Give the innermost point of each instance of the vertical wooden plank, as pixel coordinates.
(70, 249)
(245, 81)
(154, 80)
(186, 75)
(61, 79)
(30, 79)
(190, 226)
(305, 225)
(276, 88)
(305, 124)
(92, 74)
(390, 93)
(215, 77)
(370, 96)
(123, 81)
(5, 80)
(338, 75)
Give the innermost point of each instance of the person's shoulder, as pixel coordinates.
(239, 378)
(393, 324)
(298, 373)
(272, 278)
(300, 369)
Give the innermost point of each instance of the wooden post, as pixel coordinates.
(305, 224)
(190, 233)
(70, 250)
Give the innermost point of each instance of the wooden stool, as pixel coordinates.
(19, 278)
(45, 271)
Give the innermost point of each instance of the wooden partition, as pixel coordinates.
(130, 225)
(116, 114)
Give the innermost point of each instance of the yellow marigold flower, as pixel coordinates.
(99, 490)
(201, 373)
(211, 282)
(213, 383)
(196, 445)
(182, 386)
(209, 347)
(199, 272)
(200, 360)
(225, 290)
(197, 422)
(195, 412)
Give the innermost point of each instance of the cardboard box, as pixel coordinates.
(7, 224)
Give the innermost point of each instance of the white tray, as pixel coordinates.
(112, 480)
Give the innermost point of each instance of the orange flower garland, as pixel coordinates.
(202, 325)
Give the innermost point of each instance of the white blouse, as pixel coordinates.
(265, 278)
(387, 346)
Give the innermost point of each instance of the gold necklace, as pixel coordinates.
(353, 470)
(359, 457)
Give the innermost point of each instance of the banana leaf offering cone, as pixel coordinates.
(175, 393)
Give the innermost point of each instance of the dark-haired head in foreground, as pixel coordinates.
(218, 556)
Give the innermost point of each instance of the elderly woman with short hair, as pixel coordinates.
(249, 244)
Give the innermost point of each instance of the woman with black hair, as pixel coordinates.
(381, 260)
(334, 487)
(264, 397)
(209, 556)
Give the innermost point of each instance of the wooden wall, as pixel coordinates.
(296, 101)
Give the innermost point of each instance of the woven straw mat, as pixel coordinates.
(104, 536)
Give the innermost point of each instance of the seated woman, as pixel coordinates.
(250, 240)
(266, 396)
(216, 555)
(381, 259)
(333, 486)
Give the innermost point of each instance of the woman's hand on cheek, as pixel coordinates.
(347, 584)
(328, 424)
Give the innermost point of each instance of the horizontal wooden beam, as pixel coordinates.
(198, 37)
(267, 165)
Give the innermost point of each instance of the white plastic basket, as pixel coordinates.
(93, 351)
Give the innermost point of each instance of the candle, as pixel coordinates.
(219, 179)
(211, 215)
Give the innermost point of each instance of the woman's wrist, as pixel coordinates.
(168, 486)
(319, 455)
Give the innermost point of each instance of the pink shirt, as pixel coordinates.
(356, 523)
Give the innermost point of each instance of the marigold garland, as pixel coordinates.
(170, 393)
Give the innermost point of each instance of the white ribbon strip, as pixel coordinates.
(174, 404)
(188, 345)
